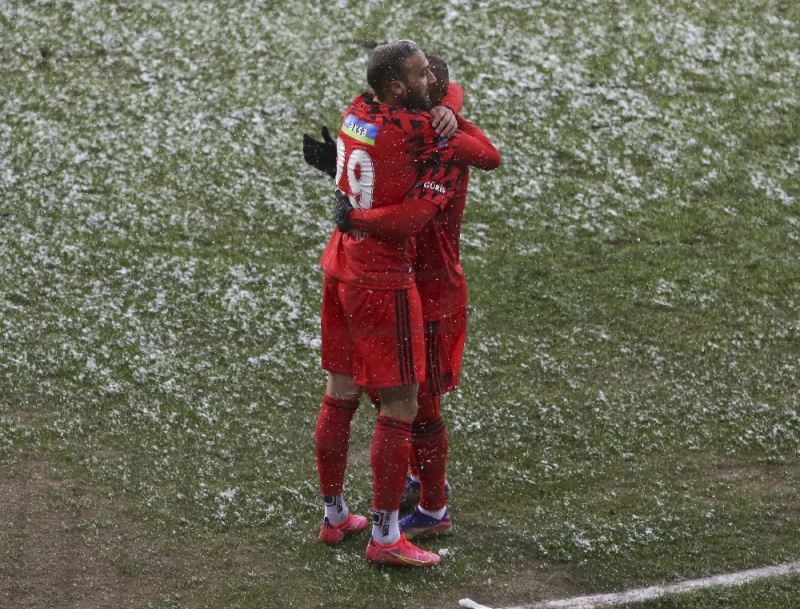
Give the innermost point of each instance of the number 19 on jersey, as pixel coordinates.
(360, 174)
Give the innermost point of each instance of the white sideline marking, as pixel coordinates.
(597, 601)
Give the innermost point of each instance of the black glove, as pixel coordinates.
(341, 213)
(321, 155)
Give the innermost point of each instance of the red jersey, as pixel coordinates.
(439, 274)
(453, 97)
(383, 152)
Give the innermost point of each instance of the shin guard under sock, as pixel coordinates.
(332, 438)
(430, 454)
(389, 456)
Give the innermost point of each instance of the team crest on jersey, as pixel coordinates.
(360, 130)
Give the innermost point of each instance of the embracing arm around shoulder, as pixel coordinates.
(472, 147)
(435, 188)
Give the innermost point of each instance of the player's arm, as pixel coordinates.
(400, 220)
(433, 190)
(454, 98)
(471, 146)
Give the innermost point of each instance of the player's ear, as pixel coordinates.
(397, 88)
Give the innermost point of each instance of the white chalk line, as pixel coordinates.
(597, 601)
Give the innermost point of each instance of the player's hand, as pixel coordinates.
(321, 155)
(444, 121)
(341, 213)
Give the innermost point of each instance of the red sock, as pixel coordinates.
(333, 441)
(391, 450)
(430, 454)
(430, 409)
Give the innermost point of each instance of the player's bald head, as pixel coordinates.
(388, 63)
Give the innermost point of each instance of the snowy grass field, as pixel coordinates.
(630, 408)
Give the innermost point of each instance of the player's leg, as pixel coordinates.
(429, 445)
(395, 362)
(389, 457)
(388, 356)
(410, 496)
(390, 454)
(332, 433)
(445, 340)
(430, 431)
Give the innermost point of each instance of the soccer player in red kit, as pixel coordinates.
(443, 291)
(372, 327)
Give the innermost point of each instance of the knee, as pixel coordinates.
(404, 410)
(341, 387)
(399, 402)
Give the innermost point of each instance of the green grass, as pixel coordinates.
(629, 407)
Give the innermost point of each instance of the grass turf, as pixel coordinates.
(629, 408)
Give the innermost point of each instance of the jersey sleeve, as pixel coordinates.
(454, 98)
(471, 146)
(437, 184)
(400, 220)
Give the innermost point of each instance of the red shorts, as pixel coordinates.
(375, 336)
(444, 349)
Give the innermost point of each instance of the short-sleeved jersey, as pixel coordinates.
(383, 152)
